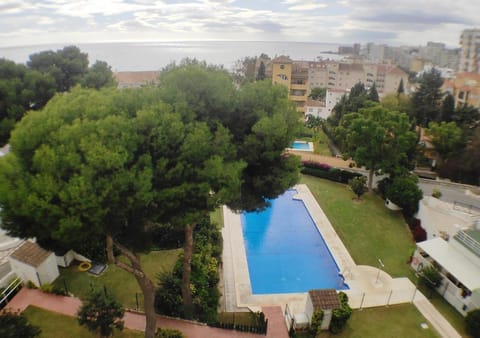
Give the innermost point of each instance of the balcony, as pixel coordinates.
(296, 86)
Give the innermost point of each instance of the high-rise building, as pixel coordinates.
(470, 53)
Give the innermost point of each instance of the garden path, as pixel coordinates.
(136, 321)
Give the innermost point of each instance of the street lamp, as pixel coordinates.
(381, 266)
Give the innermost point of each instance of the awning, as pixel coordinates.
(453, 261)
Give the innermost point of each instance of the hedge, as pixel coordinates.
(323, 170)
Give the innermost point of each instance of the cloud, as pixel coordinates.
(303, 5)
(406, 21)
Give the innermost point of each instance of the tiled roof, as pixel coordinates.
(30, 253)
(324, 299)
(350, 67)
(136, 77)
(282, 59)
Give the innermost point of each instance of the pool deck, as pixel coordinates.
(369, 286)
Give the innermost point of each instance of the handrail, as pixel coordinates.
(14, 284)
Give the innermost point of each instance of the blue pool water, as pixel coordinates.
(285, 251)
(300, 145)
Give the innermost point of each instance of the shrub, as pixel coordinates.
(316, 324)
(340, 316)
(204, 277)
(404, 192)
(101, 313)
(31, 285)
(168, 333)
(436, 193)
(419, 234)
(358, 185)
(430, 277)
(14, 325)
(323, 170)
(472, 322)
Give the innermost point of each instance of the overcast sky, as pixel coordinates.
(396, 22)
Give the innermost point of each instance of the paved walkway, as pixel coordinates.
(136, 321)
(369, 286)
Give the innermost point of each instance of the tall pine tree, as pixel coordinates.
(428, 97)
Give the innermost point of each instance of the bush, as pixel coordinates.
(323, 170)
(168, 333)
(436, 193)
(340, 316)
(430, 277)
(472, 322)
(316, 324)
(14, 325)
(358, 185)
(204, 278)
(404, 192)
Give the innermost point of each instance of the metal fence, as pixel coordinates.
(359, 300)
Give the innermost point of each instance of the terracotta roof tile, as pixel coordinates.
(325, 299)
(30, 253)
(137, 77)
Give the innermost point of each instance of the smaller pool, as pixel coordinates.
(302, 145)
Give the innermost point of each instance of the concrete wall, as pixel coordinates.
(66, 259)
(48, 270)
(24, 271)
(6, 274)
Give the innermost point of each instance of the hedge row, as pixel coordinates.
(323, 170)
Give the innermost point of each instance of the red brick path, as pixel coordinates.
(136, 321)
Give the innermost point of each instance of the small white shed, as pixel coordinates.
(33, 263)
(326, 300)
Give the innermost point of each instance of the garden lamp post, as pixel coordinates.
(380, 267)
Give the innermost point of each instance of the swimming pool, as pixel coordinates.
(285, 251)
(302, 146)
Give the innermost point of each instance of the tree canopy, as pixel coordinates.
(67, 66)
(318, 93)
(98, 75)
(21, 89)
(428, 97)
(14, 325)
(112, 164)
(101, 313)
(447, 138)
(378, 139)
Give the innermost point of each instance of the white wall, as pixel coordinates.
(48, 270)
(66, 259)
(24, 271)
(439, 217)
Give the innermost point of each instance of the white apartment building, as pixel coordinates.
(470, 52)
(343, 76)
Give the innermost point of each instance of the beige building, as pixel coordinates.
(465, 88)
(470, 52)
(300, 77)
(294, 76)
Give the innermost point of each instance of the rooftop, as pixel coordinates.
(30, 253)
(453, 261)
(326, 299)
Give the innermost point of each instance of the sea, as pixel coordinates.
(150, 56)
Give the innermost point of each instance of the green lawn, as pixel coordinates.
(61, 326)
(449, 312)
(395, 321)
(367, 228)
(121, 283)
(371, 231)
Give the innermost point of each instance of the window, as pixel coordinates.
(282, 66)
